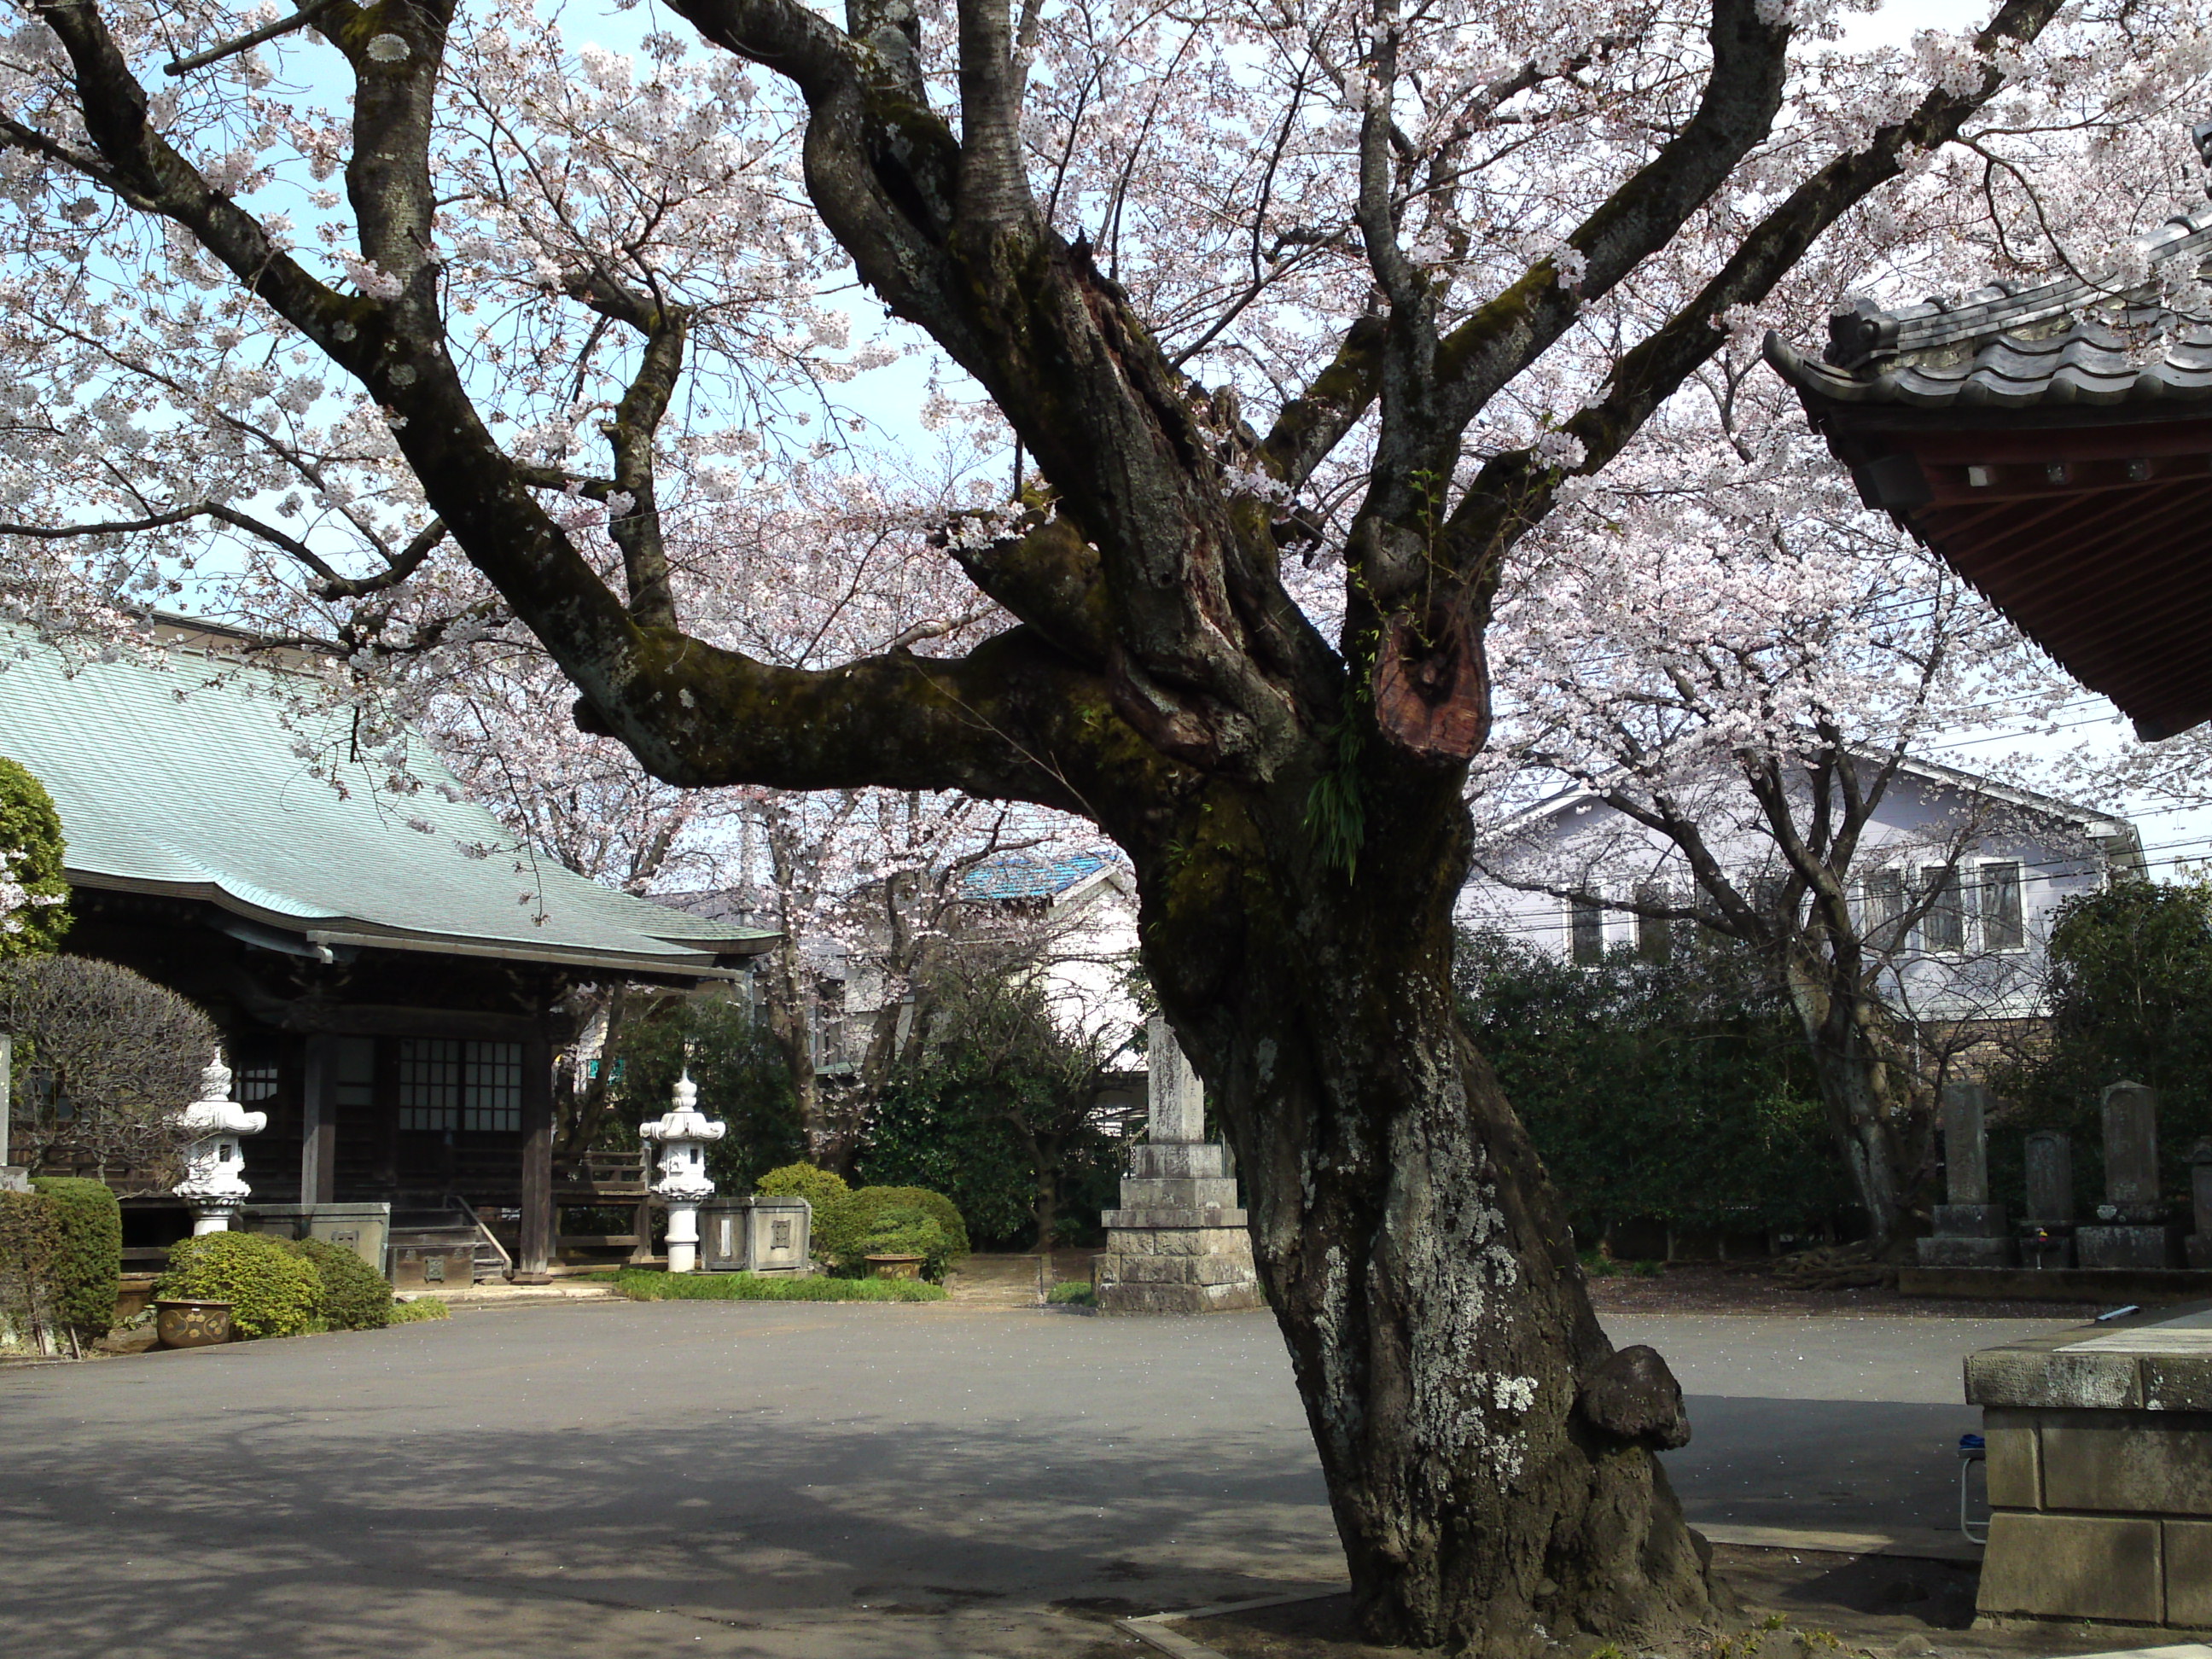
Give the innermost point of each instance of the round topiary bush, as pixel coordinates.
(355, 1296)
(272, 1288)
(939, 1208)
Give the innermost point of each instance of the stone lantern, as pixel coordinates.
(215, 1164)
(684, 1134)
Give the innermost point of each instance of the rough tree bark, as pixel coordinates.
(1292, 805)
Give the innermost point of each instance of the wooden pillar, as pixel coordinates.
(319, 1120)
(533, 1252)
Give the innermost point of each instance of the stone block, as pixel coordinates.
(1970, 1221)
(2161, 1464)
(2014, 1468)
(1178, 1193)
(1172, 1220)
(1122, 1298)
(15, 1177)
(2125, 1247)
(1181, 1157)
(2196, 1251)
(1956, 1252)
(2038, 1377)
(2177, 1381)
(2074, 1566)
(2189, 1574)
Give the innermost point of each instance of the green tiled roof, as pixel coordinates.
(181, 775)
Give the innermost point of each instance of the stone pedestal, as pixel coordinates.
(1178, 1244)
(2143, 1245)
(2100, 1472)
(1970, 1230)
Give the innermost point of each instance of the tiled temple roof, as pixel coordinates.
(2068, 340)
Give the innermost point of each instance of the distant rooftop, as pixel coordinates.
(1030, 875)
(187, 774)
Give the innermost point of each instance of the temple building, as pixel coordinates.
(2052, 442)
(391, 972)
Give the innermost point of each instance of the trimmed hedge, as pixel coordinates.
(646, 1285)
(939, 1209)
(355, 1296)
(30, 1237)
(87, 1268)
(904, 1230)
(273, 1290)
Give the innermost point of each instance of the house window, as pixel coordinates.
(1586, 931)
(1944, 922)
(2002, 929)
(256, 1084)
(1882, 902)
(449, 1084)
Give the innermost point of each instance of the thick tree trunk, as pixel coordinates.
(1488, 1454)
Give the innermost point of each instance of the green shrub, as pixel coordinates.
(939, 1209)
(903, 1230)
(273, 1290)
(30, 1238)
(31, 854)
(355, 1295)
(420, 1310)
(646, 1285)
(820, 1188)
(87, 1262)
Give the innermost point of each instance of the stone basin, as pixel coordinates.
(2100, 1471)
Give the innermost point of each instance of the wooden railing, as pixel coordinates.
(584, 1177)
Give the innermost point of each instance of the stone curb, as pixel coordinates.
(1917, 1543)
(1148, 1628)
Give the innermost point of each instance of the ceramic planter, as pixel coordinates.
(192, 1324)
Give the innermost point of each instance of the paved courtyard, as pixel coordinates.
(837, 1482)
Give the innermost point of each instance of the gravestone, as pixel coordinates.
(1970, 1230)
(14, 1177)
(2131, 1229)
(1178, 1244)
(2199, 1243)
(2046, 1231)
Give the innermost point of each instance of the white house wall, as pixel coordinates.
(1915, 825)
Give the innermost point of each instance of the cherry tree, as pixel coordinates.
(467, 324)
(1717, 643)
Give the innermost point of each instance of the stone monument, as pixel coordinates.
(683, 1133)
(2131, 1229)
(14, 1177)
(1970, 1230)
(1178, 1244)
(2046, 1231)
(215, 1163)
(2198, 1245)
